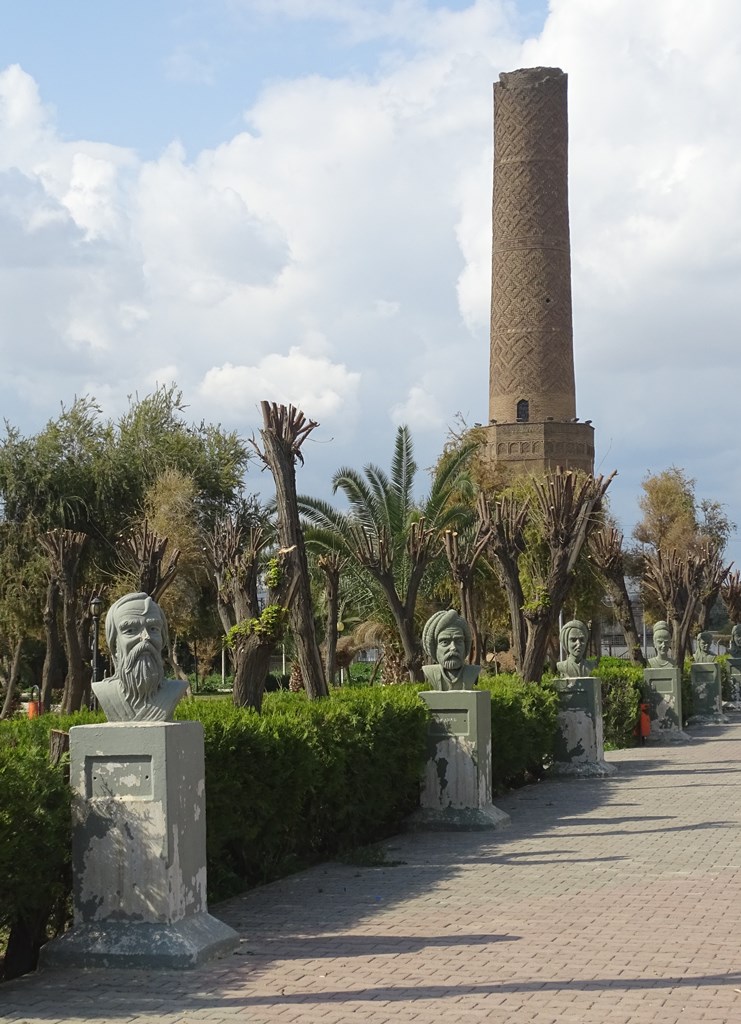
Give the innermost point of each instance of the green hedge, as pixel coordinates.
(523, 724)
(622, 685)
(305, 779)
(35, 854)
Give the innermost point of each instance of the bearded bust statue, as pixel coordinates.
(136, 633)
(446, 640)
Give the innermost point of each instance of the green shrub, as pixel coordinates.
(523, 724)
(622, 686)
(305, 779)
(35, 853)
(688, 699)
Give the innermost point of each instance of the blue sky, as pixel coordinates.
(291, 200)
(141, 74)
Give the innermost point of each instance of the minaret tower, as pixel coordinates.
(532, 398)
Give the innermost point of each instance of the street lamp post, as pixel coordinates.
(96, 606)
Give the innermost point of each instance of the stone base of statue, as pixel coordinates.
(662, 691)
(579, 748)
(456, 789)
(139, 849)
(707, 695)
(734, 672)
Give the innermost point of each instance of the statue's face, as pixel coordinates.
(703, 644)
(451, 649)
(138, 622)
(577, 644)
(662, 644)
(736, 635)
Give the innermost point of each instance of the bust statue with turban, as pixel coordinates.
(446, 640)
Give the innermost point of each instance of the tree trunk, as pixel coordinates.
(331, 565)
(624, 614)
(77, 676)
(538, 634)
(52, 674)
(252, 665)
(25, 939)
(178, 669)
(65, 549)
(15, 672)
(405, 628)
(333, 605)
(284, 431)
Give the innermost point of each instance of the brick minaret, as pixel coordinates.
(532, 397)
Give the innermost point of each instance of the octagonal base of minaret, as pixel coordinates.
(541, 447)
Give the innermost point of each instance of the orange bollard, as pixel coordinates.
(34, 705)
(645, 722)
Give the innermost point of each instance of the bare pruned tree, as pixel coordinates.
(730, 592)
(142, 555)
(284, 431)
(674, 580)
(65, 549)
(606, 552)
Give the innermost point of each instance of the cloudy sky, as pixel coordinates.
(291, 200)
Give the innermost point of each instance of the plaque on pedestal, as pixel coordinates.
(456, 789)
(139, 849)
(579, 748)
(662, 691)
(707, 696)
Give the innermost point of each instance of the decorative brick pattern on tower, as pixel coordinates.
(532, 400)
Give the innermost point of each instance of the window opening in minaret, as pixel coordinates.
(523, 411)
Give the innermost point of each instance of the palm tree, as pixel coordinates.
(387, 534)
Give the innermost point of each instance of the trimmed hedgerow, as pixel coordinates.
(305, 779)
(622, 685)
(35, 852)
(523, 725)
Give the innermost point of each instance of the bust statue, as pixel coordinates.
(734, 648)
(574, 637)
(136, 633)
(702, 649)
(446, 640)
(662, 643)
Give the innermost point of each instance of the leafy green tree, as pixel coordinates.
(86, 476)
(387, 534)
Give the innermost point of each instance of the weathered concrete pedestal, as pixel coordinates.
(579, 748)
(456, 789)
(139, 849)
(662, 691)
(707, 696)
(734, 671)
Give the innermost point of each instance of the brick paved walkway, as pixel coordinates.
(606, 902)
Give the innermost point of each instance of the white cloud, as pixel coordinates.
(419, 411)
(336, 251)
(324, 390)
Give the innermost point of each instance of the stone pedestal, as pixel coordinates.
(139, 849)
(707, 695)
(579, 748)
(734, 671)
(456, 789)
(662, 691)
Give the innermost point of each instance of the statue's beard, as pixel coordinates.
(141, 673)
(452, 663)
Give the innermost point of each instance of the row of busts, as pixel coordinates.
(575, 635)
(446, 640)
